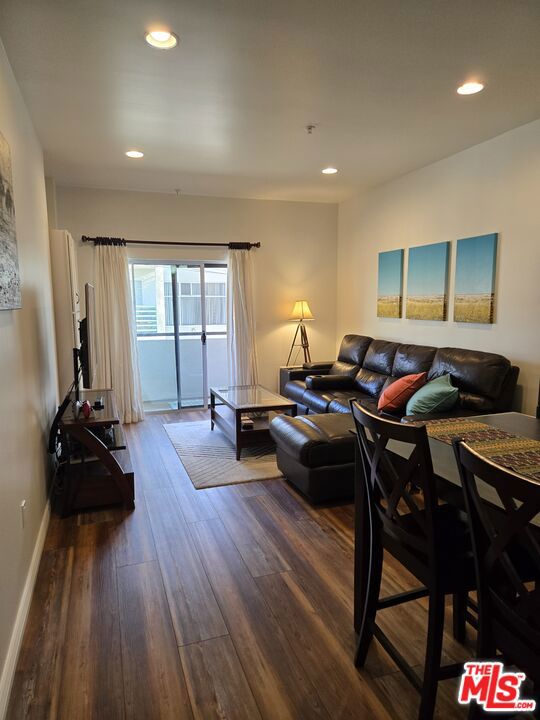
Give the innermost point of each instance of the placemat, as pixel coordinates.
(520, 454)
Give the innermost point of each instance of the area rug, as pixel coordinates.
(210, 458)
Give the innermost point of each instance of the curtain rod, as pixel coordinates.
(121, 241)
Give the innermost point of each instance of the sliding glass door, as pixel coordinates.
(181, 318)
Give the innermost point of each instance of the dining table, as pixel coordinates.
(448, 487)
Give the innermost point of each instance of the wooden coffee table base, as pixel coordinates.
(229, 421)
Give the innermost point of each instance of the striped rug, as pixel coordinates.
(210, 458)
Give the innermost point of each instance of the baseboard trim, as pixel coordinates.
(10, 664)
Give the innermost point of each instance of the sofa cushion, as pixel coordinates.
(340, 403)
(351, 355)
(376, 368)
(295, 390)
(436, 396)
(479, 376)
(380, 356)
(412, 359)
(369, 382)
(315, 440)
(318, 400)
(396, 395)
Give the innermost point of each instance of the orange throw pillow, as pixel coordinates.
(398, 393)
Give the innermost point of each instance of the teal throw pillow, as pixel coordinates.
(436, 396)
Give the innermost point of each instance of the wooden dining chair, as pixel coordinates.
(501, 506)
(431, 540)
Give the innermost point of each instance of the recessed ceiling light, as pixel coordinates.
(470, 88)
(329, 171)
(135, 154)
(162, 39)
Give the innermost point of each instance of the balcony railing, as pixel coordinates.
(146, 319)
(158, 367)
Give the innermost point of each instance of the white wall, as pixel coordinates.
(492, 187)
(297, 259)
(27, 368)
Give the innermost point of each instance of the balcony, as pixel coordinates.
(158, 369)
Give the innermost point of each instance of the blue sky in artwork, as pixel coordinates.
(475, 264)
(390, 272)
(427, 269)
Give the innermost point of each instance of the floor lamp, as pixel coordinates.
(300, 314)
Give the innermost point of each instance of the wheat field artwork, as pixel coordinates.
(390, 286)
(474, 298)
(427, 281)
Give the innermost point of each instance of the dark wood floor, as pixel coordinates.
(232, 602)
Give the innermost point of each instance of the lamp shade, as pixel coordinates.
(301, 311)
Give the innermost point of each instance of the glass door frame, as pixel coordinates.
(174, 266)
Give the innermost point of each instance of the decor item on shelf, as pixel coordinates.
(10, 284)
(474, 297)
(390, 285)
(427, 282)
(300, 313)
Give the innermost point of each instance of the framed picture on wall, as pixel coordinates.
(427, 282)
(390, 285)
(10, 285)
(474, 298)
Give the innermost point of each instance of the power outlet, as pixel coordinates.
(23, 513)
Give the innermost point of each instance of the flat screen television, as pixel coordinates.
(84, 360)
(87, 332)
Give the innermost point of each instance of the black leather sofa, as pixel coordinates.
(365, 366)
(315, 451)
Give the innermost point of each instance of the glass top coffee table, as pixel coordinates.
(241, 400)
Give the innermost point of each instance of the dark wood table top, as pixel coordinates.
(442, 454)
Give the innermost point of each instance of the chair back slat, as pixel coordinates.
(507, 550)
(402, 490)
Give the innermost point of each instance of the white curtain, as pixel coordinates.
(241, 319)
(117, 361)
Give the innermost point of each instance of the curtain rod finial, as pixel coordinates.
(243, 245)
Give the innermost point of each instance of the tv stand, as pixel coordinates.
(96, 465)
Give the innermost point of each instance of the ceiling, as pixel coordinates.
(225, 112)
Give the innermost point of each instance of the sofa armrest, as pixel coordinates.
(293, 373)
(288, 373)
(329, 382)
(318, 367)
(300, 372)
(505, 400)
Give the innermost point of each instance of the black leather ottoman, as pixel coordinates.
(316, 454)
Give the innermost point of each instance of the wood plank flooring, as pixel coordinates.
(228, 603)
